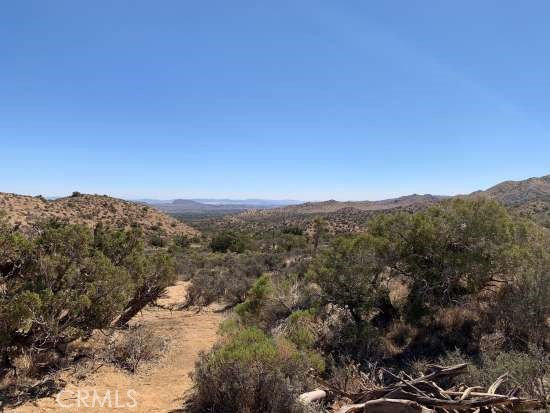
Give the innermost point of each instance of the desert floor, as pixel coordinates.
(158, 387)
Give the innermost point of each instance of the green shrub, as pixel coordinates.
(228, 241)
(349, 275)
(181, 241)
(260, 291)
(224, 277)
(449, 259)
(290, 242)
(300, 329)
(249, 372)
(293, 230)
(530, 371)
(272, 298)
(158, 240)
(449, 251)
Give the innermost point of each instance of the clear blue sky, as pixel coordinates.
(276, 99)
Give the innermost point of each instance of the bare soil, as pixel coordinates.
(158, 387)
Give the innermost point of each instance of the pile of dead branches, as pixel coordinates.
(424, 395)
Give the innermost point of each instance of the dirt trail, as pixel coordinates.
(158, 388)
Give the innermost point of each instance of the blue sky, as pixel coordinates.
(285, 99)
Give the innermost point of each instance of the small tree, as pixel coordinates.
(65, 281)
(349, 275)
(292, 229)
(449, 251)
(319, 230)
(227, 241)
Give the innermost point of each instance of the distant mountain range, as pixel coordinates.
(265, 203)
(530, 197)
(215, 205)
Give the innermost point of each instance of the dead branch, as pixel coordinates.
(423, 395)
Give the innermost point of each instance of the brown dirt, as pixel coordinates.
(158, 387)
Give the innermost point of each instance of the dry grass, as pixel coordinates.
(137, 347)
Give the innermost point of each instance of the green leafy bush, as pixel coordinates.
(228, 241)
(449, 251)
(349, 274)
(250, 372)
(256, 296)
(300, 329)
(530, 371)
(181, 241)
(293, 230)
(292, 242)
(272, 298)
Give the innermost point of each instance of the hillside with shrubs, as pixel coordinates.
(349, 313)
(462, 281)
(24, 211)
(529, 198)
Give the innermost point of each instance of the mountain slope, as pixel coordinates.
(25, 210)
(519, 192)
(530, 197)
(413, 201)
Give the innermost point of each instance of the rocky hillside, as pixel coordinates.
(25, 210)
(519, 192)
(410, 201)
(530, 197)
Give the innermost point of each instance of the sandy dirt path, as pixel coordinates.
(157, 388)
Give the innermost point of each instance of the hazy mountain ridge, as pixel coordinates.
(248, 201)
(216, 206)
